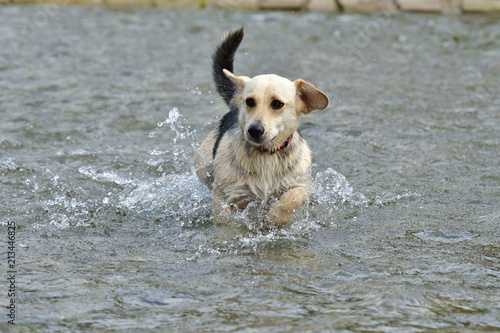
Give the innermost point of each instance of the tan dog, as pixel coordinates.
(256, 153)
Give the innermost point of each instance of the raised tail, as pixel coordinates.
(223, 58)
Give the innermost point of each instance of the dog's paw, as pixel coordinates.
(279, 215)
(224, 216)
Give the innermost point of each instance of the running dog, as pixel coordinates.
(256, 153)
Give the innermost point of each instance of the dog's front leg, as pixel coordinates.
(222, 212)
(282, 210)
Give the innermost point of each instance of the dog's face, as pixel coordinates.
(270, 107)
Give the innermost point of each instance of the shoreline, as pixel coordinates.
(325, 6)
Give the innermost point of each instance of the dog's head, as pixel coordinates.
(270, 107)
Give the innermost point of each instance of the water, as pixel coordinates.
(102, 109)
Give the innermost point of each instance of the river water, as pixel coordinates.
(102, 109)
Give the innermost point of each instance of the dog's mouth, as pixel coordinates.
(256, 142)
(263, 147)
(274, 150)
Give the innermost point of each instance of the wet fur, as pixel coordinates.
(228, 161)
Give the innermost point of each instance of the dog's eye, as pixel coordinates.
(276, 104)
(250, 102)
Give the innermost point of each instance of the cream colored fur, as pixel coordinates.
(240, 173)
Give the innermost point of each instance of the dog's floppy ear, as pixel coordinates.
(239, 81)
(313, 98)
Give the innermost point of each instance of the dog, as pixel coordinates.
(256, 153)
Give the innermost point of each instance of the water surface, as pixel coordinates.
(102, 109)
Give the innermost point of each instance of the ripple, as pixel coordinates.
(440, 236)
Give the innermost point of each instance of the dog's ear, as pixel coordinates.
(313, 98)
(239, 81)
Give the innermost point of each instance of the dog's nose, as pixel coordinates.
(256, 131)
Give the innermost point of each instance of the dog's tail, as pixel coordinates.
(223, 58)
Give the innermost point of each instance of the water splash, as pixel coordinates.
(9, 164)
(66, 212)
(179, 153)
(185, 199)
(180, 197)
(175, 120)
(177, 195)
(105, 176)
(332, 188)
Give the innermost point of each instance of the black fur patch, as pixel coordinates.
(223, 58)
(230, 120)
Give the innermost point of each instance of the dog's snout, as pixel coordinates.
(256, 131)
